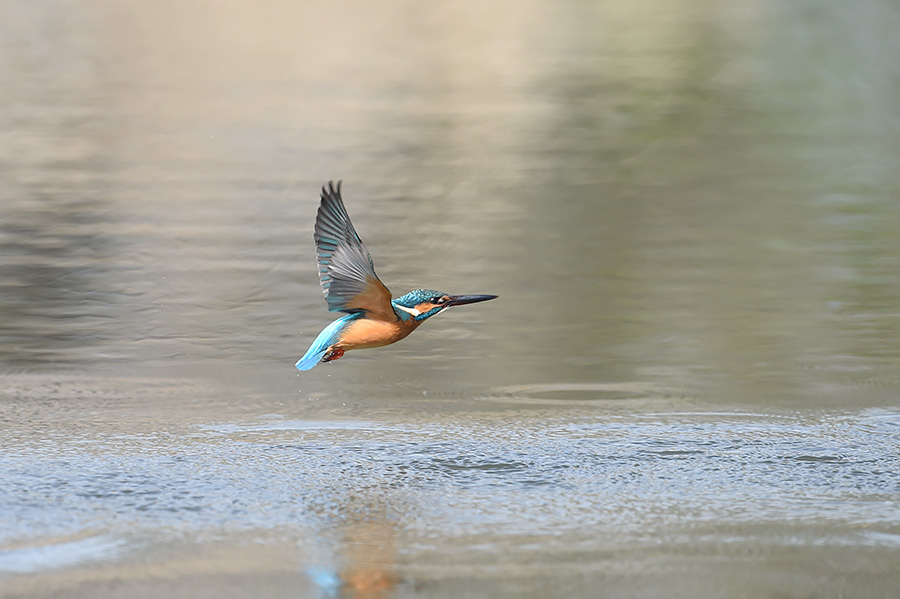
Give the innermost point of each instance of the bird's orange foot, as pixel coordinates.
(334, 354)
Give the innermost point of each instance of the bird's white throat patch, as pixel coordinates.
(411, 311)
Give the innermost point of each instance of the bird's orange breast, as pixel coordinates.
(366, 332)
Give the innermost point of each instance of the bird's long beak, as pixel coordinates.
(460, 300)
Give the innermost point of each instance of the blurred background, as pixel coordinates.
(689, 384)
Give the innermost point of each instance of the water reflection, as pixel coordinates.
(688, 211)
(369, 555)
(429, 497)
(359, 559)
(61, 553)
(57, 284)
(639, 190)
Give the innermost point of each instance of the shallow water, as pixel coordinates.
(688, 386)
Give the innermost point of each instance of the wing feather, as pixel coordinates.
(346, 270)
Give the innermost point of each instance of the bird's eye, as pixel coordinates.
(440, 300)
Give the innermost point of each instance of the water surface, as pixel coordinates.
(689, 385)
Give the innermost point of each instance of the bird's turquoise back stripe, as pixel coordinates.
(328, 337)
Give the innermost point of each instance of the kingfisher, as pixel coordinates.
(348, 279)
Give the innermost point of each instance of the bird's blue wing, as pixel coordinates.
(328, 337)
(346, 270)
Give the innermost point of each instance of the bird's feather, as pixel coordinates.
(346, 270)
(328, 337)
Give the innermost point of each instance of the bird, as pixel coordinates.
(348, 279)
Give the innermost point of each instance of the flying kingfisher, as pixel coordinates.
(350, 284)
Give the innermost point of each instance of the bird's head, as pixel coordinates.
(422, 304)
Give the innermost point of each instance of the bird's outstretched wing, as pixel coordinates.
(345, 267)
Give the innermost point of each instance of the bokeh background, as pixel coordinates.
(688, 387)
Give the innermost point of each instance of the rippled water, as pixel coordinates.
(516, 492)
(688, 386)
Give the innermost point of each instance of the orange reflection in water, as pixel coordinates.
(369, 560)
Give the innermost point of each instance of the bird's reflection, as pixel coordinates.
(363, 562)
(368, 560)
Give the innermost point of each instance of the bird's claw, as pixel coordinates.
(333, 354)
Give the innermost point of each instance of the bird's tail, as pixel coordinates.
(310, 359)
(328, 337)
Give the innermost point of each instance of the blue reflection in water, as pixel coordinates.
(327, 580)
